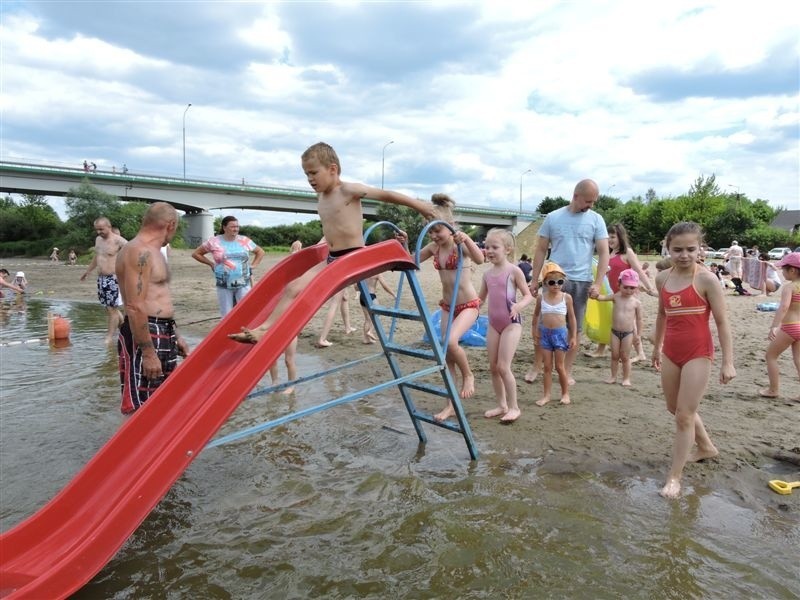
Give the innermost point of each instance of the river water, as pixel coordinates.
(345, 504)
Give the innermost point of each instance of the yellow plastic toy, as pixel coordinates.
(783, 487)
(597, 321)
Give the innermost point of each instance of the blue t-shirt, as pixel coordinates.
(572, 237)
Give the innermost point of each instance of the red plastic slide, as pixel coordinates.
(61, 547)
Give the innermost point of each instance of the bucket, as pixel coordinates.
(58, 328)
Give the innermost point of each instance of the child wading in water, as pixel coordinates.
(626, 324)
(688, 294)
(500, 286)
(444, 250)
(785, 329)
(557, 331)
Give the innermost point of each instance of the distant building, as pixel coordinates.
(788, 220)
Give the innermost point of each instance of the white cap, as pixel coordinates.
(20, 274)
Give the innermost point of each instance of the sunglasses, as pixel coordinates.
(555, 282)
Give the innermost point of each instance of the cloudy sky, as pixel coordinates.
(636, 95)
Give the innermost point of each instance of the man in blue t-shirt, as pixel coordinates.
(575, 232)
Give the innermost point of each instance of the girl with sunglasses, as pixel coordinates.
(557, 330)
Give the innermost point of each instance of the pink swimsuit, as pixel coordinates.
(502, 294)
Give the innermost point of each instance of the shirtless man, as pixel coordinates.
(107, 245)
(149, 343)
(339, 208)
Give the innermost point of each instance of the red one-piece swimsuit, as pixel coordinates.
(687, 335)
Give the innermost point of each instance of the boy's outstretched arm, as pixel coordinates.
(422, 207)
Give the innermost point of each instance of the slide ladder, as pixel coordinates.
(428, 360)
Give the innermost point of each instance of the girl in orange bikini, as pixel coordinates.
(444, 250)
(785, 329)
(688, 295)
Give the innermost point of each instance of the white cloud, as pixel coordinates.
(636, 95)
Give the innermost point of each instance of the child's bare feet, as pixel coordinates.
(468, 387)
(626, 382)
(768, 393)
(571, 380)
(611, 380)
(595, 354)
(542, 401)
(511, 416)
(350, 330)
(323, 344)
(532, 375)
(565, 399)
(247, 336)
(495, 412)
(287, 391)
(672, 489)
(445, 414)
(368, 340)
(699, 454)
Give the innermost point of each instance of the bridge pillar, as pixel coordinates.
(199, 227)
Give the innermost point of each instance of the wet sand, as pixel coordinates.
(606, 428)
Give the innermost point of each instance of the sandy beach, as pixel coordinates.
(607, 427)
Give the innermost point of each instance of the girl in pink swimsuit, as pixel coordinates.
(688, 294)
(444, 251)
(500, 286)
(785, 328)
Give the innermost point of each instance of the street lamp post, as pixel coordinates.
(521, 175)
(737, 192)
(188, 106)
(383, 159)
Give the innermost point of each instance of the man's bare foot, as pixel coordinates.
(626, 382)
(246, 336)
(532, 375)
(565, 399)
(767, 393)
(698, 454)
(445, 414)
(468, 387)
(672, 489)
(511, 416)
(323, 344)
(495, 412)
(542, 401)
(611, 380)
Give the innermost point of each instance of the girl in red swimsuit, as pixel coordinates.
(688, 294)
(444, 251)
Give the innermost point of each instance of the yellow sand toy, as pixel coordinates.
(783, 487)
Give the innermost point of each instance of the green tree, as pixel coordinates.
(548, 204)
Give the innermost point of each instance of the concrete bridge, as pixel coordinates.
(195, 197)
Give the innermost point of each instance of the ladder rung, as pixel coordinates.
(427, 388)
(397, 312)
(408, 351)
(445, 424)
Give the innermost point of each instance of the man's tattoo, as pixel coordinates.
(142, 262)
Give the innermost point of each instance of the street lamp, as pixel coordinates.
(188, 106)
(737, 192)
(521, 175)
(383, 159)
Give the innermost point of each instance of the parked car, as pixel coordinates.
(778, 253)
(717, 253)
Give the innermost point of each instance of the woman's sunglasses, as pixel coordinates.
(555, 282)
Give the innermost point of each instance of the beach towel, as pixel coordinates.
(754, 272)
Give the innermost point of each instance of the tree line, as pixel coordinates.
(30, 227)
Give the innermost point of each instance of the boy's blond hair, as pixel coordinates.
(324, 153)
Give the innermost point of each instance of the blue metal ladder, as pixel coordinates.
(406, 382)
